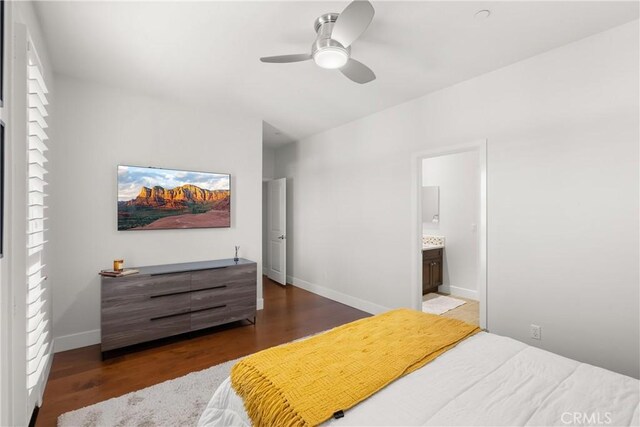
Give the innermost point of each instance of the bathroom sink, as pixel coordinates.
(432, 242)
(427, 247)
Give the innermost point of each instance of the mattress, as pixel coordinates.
(485, 380)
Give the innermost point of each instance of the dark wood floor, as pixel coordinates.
(79, 377)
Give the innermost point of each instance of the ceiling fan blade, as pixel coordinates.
(286, 58)
(352, 22)
(358, 72)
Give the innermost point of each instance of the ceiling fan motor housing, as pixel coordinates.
(324, 45)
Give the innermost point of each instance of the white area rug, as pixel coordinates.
(441, 304)
(178, 402)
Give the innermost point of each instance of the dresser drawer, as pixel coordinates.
(145, 286)
(223, 313)
(230, 276)
(223, 294)
(127, 332)
(144, 307)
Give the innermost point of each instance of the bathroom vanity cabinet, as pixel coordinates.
(431, 270)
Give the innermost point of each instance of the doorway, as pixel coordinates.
(449, 239)
(275, 230)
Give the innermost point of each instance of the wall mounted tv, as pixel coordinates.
(157, 199)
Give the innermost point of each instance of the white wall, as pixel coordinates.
(268, 163)
(99, 128)
(562, 130)
(458, 177)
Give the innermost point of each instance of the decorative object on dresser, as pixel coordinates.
(118, 273)
(118, 264)
(431, 270)
(166, 300)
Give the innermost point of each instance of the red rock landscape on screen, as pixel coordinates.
(178, 203)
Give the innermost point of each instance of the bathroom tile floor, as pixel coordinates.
(469, 312)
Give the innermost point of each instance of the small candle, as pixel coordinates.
(118, 265)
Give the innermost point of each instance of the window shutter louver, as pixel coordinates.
(38, 325)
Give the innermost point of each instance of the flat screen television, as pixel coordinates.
(159, 199)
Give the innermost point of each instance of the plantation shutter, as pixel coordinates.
(38, 322)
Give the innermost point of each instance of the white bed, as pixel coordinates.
(485, 380)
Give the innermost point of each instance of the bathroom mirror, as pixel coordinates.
(431, 204)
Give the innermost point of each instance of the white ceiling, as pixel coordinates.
(206, 53)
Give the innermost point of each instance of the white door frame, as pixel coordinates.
(479, 146)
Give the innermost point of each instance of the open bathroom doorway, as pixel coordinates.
(450, 232)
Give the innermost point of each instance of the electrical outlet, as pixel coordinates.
(536, 332)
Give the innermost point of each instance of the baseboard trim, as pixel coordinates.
(458, 292)
(81, 339)
(345, 299)
(47, 371)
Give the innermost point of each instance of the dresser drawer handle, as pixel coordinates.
(169, 315)
(187, 292)
(169, 294)
(188, 312)
(209, 289)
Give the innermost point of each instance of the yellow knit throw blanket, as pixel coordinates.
(304, 383)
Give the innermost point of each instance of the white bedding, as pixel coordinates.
(486, 380)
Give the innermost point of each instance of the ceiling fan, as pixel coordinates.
(332, 48)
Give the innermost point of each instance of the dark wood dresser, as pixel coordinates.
(431, 270)
(165, 300)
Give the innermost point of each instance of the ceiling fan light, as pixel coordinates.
(331, 57)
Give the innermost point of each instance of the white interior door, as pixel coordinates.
(277, 226)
